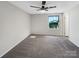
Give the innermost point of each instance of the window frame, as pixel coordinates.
(53, 16)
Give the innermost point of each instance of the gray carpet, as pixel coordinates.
(43, 46)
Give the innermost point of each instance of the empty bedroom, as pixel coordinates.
(39, 29)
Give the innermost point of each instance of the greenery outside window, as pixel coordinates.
(53, 21)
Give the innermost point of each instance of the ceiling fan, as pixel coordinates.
(43, 7)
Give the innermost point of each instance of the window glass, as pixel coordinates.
(53, 21)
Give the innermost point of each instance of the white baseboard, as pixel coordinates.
(74, 43)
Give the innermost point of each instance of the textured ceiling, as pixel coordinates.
(61, 6)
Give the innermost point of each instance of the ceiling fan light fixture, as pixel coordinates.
(42, 11)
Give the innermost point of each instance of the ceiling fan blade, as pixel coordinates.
(53, 7)
(46, 10)
(34, 6)
(41, 9)
(38, 9)
(50, 7)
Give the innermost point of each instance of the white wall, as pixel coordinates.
(74, 25)
(14, 26)
(66, 18)
(40, 25)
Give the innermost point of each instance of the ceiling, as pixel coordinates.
(61, 6)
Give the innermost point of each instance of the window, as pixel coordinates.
(53, 21)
